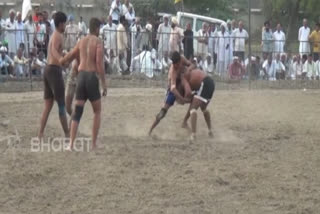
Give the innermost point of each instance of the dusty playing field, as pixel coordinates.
(264, 157)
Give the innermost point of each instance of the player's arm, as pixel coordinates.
(190, 65)
(187, 89)
(173, 88)
(100, 66)
(71, 55)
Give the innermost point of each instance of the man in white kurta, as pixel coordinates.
(10, 27)
(109, 32)
(223, 50)
(303, 37)
(279, 40)
(241, 35)
(163, 36)
(82, 27)
(203, 37)
(136, 36)
(128, 11)
(30, 31)
(20, 34)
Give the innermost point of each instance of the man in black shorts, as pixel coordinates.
(204, 87)
(91, 65)
(53, 79)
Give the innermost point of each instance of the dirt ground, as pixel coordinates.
(263, 159)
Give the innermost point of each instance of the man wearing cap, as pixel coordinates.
(71, 34)
(175, 36)
(236, 70)
(10, 27)
(6, 63)
(163, 36)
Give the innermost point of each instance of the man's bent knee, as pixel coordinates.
(193, 111)
(161, 114)
(78, 111)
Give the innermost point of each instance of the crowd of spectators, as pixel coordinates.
(132, 47)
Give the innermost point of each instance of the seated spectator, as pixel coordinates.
(6, 63)
(166, 62)
(38, 64)
(297, 67)
(113, 66)
(20, 64)
(269, 69)
(256, 67)
(236, 70)
(208, 65)
(309, 68)
(156, 64)
(199, 62)
(280, 68)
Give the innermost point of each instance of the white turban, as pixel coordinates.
(149, 27)
(174, 20)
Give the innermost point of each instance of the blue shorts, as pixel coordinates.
(170, 98)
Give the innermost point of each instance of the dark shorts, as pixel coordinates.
(87, 86)
(170, 98)
(206, 90)
(53, 83)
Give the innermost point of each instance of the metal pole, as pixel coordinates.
(249, 8)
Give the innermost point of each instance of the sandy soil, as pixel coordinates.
(264, 157)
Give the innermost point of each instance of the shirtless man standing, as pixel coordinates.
(204, 87)
(177, 86)
(90, 49)
(53, 79)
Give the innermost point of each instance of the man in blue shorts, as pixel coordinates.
(178, 89)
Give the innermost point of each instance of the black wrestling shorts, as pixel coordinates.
(206, 90)
(87, 86)
(53, 83)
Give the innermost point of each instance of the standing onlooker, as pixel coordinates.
(241, 36)
(223, 50)
(267, 39)
(53, 27)
(2, 27)
(109, 32)
(40, 34)
(203, 36)
(315, 39)
(175, 36)
(115, 11)
(30, 30)
(188, 42)
(20, 34)
(35, 14)
(163, 36)
(303, 37)
(10, 33)
(212, 42)
(71, 34)
(136, 36)
(128, 12)
(279, 40)
(82, 27)
(122, 39)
